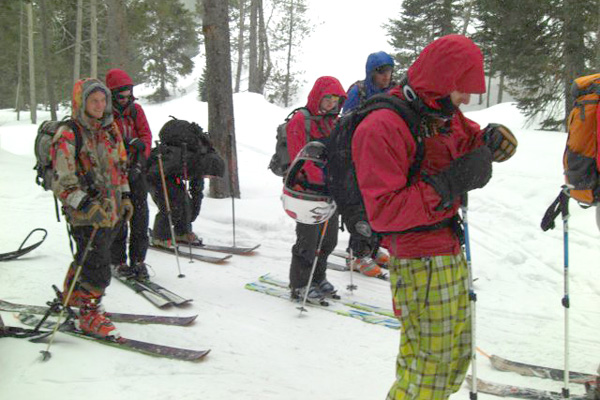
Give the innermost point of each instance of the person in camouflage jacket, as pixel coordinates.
(90, 180)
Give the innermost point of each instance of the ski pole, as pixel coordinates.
(187, 192)
(564, 209)
(231, 188)
(351, 287)
(472, 297)
(314, 266)
(46, 353)
(161, 170)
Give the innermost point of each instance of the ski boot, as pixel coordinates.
(328, 290)
(164, 243)
(93, 321)
(382, 258)
(367, 266)
(189, 238)
(314, 295)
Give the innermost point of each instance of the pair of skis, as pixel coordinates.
(365, 312)
(29, 315)
(186, 250)
(156, 294)
(505, 390)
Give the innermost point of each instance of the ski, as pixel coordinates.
(23, 333)
(116, 317)
(504, 390)
(186, 253)
(123, 343)
(355, 304)
(334, 306)
(346, 256)
(237, 250)
(502, 364)
(156, 294)
(24, 250)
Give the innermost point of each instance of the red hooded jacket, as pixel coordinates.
(132, 120)
(383, 150)
(320, 128)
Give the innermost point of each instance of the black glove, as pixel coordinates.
(501, 141)
(210, 164)
(136, 145)
(471, 171)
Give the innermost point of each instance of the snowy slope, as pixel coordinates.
(261, 348)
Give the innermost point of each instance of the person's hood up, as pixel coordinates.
(81, 90)
(325, 85)
(118, 80)
(450, 63)
(374, 61)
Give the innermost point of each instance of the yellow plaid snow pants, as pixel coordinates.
(431, 301)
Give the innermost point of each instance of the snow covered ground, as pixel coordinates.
(260, 347)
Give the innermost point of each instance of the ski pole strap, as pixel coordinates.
(558, 206)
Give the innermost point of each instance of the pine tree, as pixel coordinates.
(420, 22)
(170, 38)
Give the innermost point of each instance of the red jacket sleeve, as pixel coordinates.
(142, 129)
(383, 151)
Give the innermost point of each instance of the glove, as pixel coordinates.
(93, 212)
(126, 209)
(471, 171)
(501, 142)
(137, 145)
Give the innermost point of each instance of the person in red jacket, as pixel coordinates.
(325, 101)
(132, 123)
(428, 270)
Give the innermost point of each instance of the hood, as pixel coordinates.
(450, 63)
(375, 60)
(117, 79)
(325, 85)
(81, 90)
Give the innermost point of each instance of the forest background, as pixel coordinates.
(533, 50)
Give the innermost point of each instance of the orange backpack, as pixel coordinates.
(581, 160)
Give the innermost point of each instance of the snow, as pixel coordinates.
(261, 348)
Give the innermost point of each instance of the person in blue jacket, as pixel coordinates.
(379, 69)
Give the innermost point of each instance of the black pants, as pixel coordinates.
(138, 238)
(95, 270)
(304, 251)
(181, 210)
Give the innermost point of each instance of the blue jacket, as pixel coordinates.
(374, 61)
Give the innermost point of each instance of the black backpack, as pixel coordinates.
(341, 173)
(41, 149)
(280, 161)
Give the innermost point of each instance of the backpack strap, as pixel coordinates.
(410, 117)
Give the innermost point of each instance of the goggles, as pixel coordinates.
(382, 69)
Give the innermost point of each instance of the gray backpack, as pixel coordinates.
(41, 149)
(280, 161)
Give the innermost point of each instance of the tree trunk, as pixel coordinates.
(220, 100)
(574, 50)
(117, 34)
(500, 88)
(240, 58)
(288, 72)
(467, 16)
(264, 56)
(32, 100)
(93, 40)
(78, 29)
(48, 64)
(253, 78)
(19, 66)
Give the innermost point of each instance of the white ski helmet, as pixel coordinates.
(305, 196)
